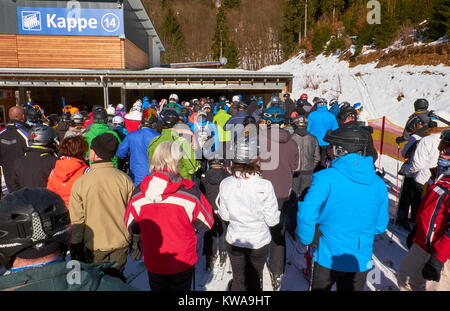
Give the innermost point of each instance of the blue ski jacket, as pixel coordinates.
(319, 122)
(136, 145)
(335, 109)
(349, 202)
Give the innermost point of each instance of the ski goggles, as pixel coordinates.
(444, 147)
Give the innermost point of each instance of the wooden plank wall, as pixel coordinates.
(135, 58)
(8, 51)
(69, 52)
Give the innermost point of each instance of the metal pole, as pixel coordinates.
(311, 275)
(381, 141)
(105, 92)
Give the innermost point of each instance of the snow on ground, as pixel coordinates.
(388, 91)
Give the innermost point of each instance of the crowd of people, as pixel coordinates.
(108, 184)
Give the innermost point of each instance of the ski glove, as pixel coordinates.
(136, 247)
(432, 269)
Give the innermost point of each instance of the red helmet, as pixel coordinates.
(304, 96)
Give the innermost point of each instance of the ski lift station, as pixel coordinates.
(104, 52)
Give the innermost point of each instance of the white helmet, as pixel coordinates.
(111, 111)
(118, 120)
(174, 97)
(236, 98)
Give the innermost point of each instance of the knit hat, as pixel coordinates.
(105, 146)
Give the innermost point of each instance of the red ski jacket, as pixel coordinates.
(167, 211)
(433, 218)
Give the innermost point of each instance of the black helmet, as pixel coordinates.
(64, 117)
(52, 119)
(100, 115)
(34, 222)
(421, 104)
(222, 99)
(345, 113)
(169, 118)
(217, 159)
(413, 123)
(41, 135)
(242, 105)
(249, 120)
(321, 102)
(348, 140)
(300, 121)
(33, 115)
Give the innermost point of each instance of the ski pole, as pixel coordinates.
(311, 275)
(396, 194)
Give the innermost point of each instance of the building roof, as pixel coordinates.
(143, 17)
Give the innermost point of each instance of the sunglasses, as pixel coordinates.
(444, 147)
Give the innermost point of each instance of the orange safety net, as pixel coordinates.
(391, 132)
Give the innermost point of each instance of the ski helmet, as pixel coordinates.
(52, 119)
(217, 159)
(169, 118)
(76, 119)
(64, 117)
(421, 104)
(242, 105)
(111, 111)
(413, 123)
(300, 121)
(100, 115)
(333, 102)
(274, 115)
(235, 99)
(34, 222)
(275, 101)
(118, 120)
(347, 140)
(345, 113)
(304, 96)
(321, 102)
(174, 97)
(33, 115)
(444, 145)
(41, 135)
(249, 120)
(358, 106)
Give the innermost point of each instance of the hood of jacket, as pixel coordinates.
(66, 167)
(215, 176)
(357, 168)
(277, 135)
(159, 185)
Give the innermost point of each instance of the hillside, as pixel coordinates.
(256, 34)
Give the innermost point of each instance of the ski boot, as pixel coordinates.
(276, 282)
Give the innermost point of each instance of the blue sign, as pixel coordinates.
(70, 22)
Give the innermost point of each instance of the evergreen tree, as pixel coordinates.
(439, 22)
(222, 45)
(172, 36)
(333, 8)
(230, 4)
(293, 17)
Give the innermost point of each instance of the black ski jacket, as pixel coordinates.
(13, 142)
(33, 168)
(210, 182)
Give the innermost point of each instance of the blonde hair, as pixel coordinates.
(167, 156)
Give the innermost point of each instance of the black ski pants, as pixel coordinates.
(171, 282)
(247, 265)
(324, 278)
(219, 230)
(411, 195)
(277, 249)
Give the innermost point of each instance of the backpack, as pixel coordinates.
(202, 134)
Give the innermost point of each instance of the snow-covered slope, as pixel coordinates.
(387, 91)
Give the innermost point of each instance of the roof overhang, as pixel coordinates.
(153, 78)
(144, 19)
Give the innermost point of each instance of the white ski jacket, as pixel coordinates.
(250, 206)
(425, 157)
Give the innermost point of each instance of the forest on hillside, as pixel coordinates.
(253, 34)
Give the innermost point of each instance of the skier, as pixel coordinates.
(100, 119)
(288, 104)
(188, 164)
(345, 207)
(420, 110)
(426, 265)
(280, 159)
(309, 153)
(220, 119)
(319, 122)
(167, 210)
(33, 168)
(76, 126)
(69, 167)
(334, 107)
(135, 146)
(13, 142)
(134, 117)
(209, 184)
(207, 137)
(98, 234)
(363, 116)
(173, 103)
(249, 204)
(35, 259)
(63, 126)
